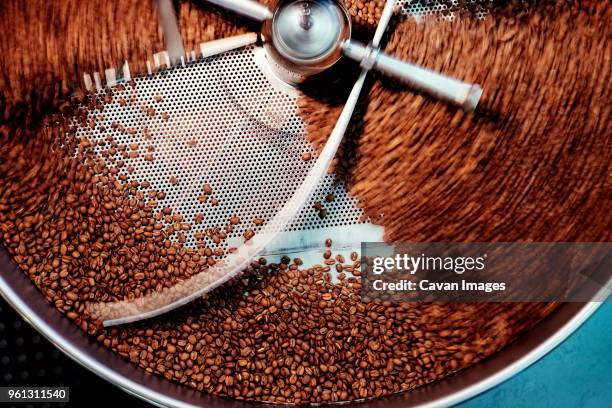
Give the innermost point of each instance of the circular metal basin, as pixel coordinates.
(22, 295)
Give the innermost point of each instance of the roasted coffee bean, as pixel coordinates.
(248, 234)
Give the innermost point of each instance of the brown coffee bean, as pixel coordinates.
(248, 234)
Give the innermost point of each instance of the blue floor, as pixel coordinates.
(578, 373)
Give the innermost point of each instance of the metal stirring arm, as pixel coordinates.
(247, 8)
(441, 86)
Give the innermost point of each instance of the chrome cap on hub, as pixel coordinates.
(304, 36)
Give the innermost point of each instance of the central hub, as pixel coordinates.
(306, 29)
(304, 36)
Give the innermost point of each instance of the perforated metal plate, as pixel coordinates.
(424, 8)
(217, 121)
(224, 124)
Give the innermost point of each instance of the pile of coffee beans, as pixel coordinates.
(52, 43)
(286, 334)
(365, 12)
(524, 167)
(200, 22)
(101, 238)
(532, 163)
(281, 333)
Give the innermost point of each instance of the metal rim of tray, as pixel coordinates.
(15, 287)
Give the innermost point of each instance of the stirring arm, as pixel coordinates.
(441, 86)
(247, 8)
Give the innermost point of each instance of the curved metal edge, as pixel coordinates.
(75, 354)
(530, 358)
